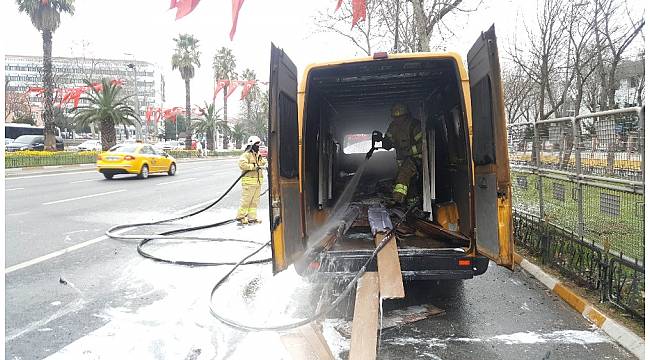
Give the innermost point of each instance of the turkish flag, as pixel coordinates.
(184, 7)
(248, 85)
(358, 11)
(338, 5)
(231, 88)
(148, 113)
(236, 6)
(220, 85)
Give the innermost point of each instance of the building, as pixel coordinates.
(22, 72)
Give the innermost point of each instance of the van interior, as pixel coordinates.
(344, 104)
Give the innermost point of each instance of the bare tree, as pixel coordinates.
(412, 23)
(365, 35)
(615, 31)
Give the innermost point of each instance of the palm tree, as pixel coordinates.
(46, 18)
(107, 108)
(223, 65)
(238, 134)
(186, 55)
(208, 124)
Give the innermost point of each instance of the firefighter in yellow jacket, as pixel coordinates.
(405, 135)
(252, 163)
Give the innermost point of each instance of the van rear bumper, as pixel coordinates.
(416, 264)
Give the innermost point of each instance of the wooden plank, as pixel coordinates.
(397, 318)
(314, 336)
(388, 266)
(363, 344)
(307, 342)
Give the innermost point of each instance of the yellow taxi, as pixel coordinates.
(138, 158)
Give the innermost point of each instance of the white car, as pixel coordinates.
(90, 145)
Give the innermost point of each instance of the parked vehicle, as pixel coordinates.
(31, 142)
(89, 145)
(464, 210)
(140, 159)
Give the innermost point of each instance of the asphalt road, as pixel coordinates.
(103, 301)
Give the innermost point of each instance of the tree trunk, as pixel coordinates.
(188, 114)
(209, 136)
(423, 36)
(107, 130)
(225, 118)
(48, 100)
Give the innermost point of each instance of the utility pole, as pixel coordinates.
(138, 127)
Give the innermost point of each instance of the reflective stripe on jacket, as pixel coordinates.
(249, 162)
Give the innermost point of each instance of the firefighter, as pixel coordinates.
(405, 135)
(252, 163)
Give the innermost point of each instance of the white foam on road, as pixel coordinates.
(579, 337)
(178, 325)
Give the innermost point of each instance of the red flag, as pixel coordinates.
(338, 5)
(172, 4)
(231, 88)
(236, 6)
(156, 114)
(220, 85)
(358, 11)
(184, 7)
(248, 85)
(148, 114)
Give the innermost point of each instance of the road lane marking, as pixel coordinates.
(82, 181)
(71, 307)
(15, 189)
(19, 213)
(46, 175)
(58, 253)
(175, 181)
(83, 197)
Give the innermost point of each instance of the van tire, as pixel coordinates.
(144, 172)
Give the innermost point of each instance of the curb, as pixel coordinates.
(622, 335)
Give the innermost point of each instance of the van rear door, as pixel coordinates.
(492, 193)
(284, 194)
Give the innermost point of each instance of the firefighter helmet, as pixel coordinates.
(252, 140)
(399, 109)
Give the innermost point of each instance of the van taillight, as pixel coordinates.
(380, 55)
(464, 262)
(129, 157)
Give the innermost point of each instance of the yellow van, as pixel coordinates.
(319, 133)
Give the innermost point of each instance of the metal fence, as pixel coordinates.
(579, 200)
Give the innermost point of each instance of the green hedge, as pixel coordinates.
(45, 158)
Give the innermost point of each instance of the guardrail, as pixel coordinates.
(578, 198)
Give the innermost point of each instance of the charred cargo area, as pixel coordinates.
(344, 104)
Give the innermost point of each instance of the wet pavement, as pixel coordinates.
(104, 301)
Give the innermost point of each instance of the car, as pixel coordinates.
(31, 142)
(139, 159)
(90, 145)
(264, 150)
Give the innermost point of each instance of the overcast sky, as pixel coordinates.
(146, 28)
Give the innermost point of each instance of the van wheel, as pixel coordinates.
(172, 170)
(144, 172)
(108, 176)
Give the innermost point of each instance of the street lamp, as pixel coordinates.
(132, 66)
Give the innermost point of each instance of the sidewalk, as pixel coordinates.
(56, 169)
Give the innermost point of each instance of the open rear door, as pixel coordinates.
(284, 194)
(492, 192)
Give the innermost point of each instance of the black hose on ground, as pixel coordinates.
(147, 238)
(319, 314)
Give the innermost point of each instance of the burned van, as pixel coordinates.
(322, 188)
